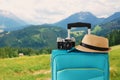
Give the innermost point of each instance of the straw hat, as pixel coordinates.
(92, 43)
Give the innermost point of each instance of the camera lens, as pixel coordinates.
(68, 45)
(60, 45)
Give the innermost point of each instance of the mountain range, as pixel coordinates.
(10, 22)
(86, 17)
(41, 36)
(114, 16)
(80, 17)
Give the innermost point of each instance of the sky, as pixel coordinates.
(51, 11)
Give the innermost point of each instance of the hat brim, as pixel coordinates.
(84, 49)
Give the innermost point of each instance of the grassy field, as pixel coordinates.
(115, 63)
(38, 67)
(25, 68)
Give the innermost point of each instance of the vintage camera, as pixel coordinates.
(67, 43)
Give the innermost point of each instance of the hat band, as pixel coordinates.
(94, 47)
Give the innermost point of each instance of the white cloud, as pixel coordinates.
(48, 11)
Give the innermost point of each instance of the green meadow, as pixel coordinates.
(38, 67)
(115, 63)
(25, 68)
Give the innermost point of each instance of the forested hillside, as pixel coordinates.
(106, 28)
(114, 37)
(39, 36)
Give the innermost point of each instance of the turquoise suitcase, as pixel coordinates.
(76, 65)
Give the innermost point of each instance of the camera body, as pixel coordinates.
(66, 44)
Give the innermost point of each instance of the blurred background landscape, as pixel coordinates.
(28, 34)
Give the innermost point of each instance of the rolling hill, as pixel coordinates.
(109, 26)
(39, 36)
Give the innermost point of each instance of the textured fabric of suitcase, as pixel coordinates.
(79, 65)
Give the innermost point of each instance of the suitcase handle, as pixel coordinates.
(78, 24)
